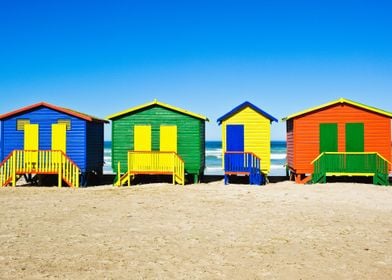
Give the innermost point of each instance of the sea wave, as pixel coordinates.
(277, 166)
(278, 156)
(217, 153)
(213, 170)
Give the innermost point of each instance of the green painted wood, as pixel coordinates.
(190, 141)
(328, 137)
(352, 163)
(355, 137)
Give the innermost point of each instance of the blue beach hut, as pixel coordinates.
(43, 139)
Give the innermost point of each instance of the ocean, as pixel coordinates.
(214, 158)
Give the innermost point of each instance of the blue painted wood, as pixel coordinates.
(81, 134)
(235, 138)
(242, 106)
(245, 164)
(95, 147)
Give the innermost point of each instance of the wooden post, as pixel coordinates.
(174, 169)
(60, 174)
(118, 174)
(196, 178)
(77, 177)
(13, 170)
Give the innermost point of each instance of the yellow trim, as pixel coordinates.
(384, 158)
(341, 100)
(350, 153)
(317, 158)
(67, 122)
(156, 102)
(20, 124)
(349, 174)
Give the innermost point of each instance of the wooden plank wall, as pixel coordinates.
(257, 135)
(306, 133)
(191, 136)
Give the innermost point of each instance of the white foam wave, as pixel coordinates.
(277, 166)
(214, 153)
(213, 170)
(278, 156)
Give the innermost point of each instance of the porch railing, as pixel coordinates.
(351, 164)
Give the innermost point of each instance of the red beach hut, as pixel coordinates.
(340, 138)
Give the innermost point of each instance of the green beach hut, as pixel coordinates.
(157, 139)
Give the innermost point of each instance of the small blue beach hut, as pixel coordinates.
(246, 142)
(43, 139)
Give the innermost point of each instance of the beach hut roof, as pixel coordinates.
(340, 101)
(241, 107)
(157, 103)
(53, 107)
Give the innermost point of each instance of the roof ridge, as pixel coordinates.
(243, 105)
(159, 103)
(340, 100)
(53, 107)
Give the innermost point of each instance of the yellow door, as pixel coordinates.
(31, 143)
(168, 138)
(142, 138)
(59, 137)
(31, 136)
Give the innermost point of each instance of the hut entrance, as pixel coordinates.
(235, 138)
(59, 137)
(168, 138)
(142, 138)
(355, 134)
(31, 138)
(31, 142)
(328, 137)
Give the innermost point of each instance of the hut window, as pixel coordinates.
(65, 121)
(21, 123)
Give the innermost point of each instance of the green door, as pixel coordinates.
(328, 137)
(355, 137)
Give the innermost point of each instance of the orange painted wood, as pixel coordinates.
(290, 143)
(303, 140)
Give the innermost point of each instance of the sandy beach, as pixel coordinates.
(203, 231)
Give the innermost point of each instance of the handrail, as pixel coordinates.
(39, 162)
(156, 162)
(6, 170)
(317, 158)
(350, 153)
(241, 164)
(352, 163)
(249, 153)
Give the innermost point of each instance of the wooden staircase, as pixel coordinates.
(152, 163)
(244, 163)
(21, 162)
(369, 164)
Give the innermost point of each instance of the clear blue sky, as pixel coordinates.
(101, 57)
